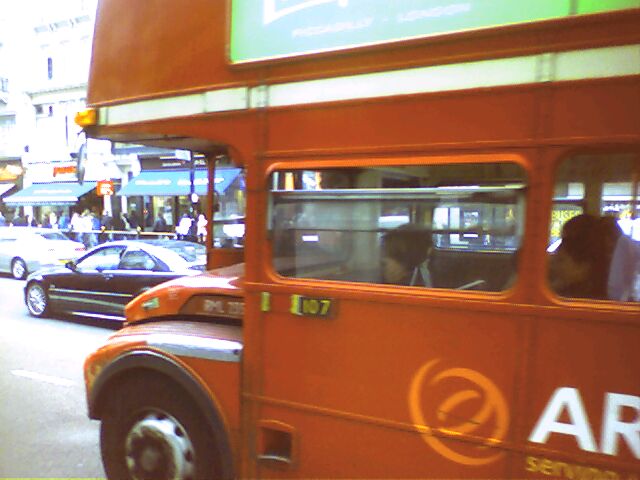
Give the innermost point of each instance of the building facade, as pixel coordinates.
(52, 50)
(45, 54)
(13, 108)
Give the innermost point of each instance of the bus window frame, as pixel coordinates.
(521, 159)
(549, 294)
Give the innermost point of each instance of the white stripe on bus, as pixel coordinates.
(548, 67)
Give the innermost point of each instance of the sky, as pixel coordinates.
(12, 13)
(13, 28)
(31, 10)
(17, 20)
(16, 15)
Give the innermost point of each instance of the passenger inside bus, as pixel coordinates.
(582, 264)
(405, 256)
(595, 228)
(450, 226)
(624, 274)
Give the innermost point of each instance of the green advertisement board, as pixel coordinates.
(266, 29)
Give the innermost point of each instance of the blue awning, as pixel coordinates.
(176, 182)
(61, 193)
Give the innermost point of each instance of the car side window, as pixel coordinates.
(137, 260)
(106, 258)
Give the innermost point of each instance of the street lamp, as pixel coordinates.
(187, 156)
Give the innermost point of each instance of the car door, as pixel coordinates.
(84, 288)
(137, 271)
(7, 242)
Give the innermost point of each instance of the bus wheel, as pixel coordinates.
(151, 429)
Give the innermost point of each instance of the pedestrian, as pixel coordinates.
(148, 219)
(192, 233)
(202, 228)
(95, 229)
(133, 220)
(63, 220)
(76, 227)
(119, 226)
(86, 225)
(160, 225)
(106, 225)
(183, 227)
(53, 219)
(18, 221)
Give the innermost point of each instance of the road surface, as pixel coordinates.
(44, 428)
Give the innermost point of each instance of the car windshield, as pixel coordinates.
(190, 251)
(172, 259)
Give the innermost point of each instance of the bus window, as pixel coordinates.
(455, 226)
(595, 230)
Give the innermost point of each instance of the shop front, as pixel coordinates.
(41, 200)
(168, 192)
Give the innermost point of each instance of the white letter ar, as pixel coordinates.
(613, 427)
(562, 398)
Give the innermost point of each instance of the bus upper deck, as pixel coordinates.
(142, 76)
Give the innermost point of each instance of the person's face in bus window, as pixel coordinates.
(403, 250)
(568, 274)
(581, 264)
(394, 271)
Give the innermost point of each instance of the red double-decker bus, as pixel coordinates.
(436, 271)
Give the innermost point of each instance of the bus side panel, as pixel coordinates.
(368, 451)
(380, 375)
(585, 403)
(474, 116)
(612, 109)
(223, 381)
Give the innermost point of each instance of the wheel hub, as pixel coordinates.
(36, 300)
(158, 448)
(18, 269)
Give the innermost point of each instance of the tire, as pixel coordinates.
(151, 429)
(37, 300)
(19, 269)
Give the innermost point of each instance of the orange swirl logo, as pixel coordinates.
(480, 410)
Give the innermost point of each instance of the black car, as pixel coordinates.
(103, 281)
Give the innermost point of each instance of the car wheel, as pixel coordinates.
(151, 429)
(37, 300)
(18, 269)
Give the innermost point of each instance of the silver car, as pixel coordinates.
(27, 249)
